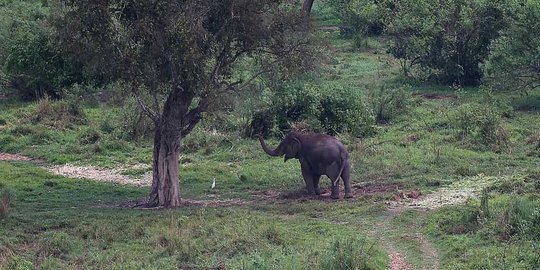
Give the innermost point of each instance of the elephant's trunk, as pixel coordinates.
(269, 151)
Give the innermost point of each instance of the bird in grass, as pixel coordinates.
(214, 183)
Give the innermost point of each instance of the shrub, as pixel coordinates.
(388, 103)
(200, 138)
(294, 102)
(448, 39)
(515, 56)
(519, 217)
(482, 122)
(60, 114)
(17, 263)
(363, 17)
(89, 136)
(133, 123)
(459, 222)
(318, 108)
(261, 123)
(34, 66)
(342, 110)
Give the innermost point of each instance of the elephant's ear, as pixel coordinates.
(292, 150)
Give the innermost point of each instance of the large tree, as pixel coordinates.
(514, 61)
(307, 5)
(182, 56)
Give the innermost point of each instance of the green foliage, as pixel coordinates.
(30, 58)
(133, 123)
(342, 109)
(388, 103)
(501, 229)
(61, 114)
(448, 39)
(323, 109)
(458, 222)
(362, 17)
(18, 263)
(90, 136)
(515, 56)
(483, 122)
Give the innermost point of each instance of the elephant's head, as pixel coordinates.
(290, 146)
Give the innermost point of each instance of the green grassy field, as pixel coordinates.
(55, 222)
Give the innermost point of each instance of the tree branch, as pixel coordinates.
(149, 112)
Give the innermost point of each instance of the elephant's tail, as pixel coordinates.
(343, 159)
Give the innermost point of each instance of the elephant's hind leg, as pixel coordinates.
(333, 174)
(316, 179)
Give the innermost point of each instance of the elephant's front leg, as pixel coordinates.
(308, 178)
(316, 180)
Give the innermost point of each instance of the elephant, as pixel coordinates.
(319, 154)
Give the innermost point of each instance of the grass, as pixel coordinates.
(86, 233)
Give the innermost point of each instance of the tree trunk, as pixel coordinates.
(167, 149)
(306, 7)
(165, 183)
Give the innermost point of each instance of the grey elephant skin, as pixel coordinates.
(319, 154)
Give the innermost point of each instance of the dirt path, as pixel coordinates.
(115, 176)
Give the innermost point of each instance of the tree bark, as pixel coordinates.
(169, 131)
(165, 181)
(306, 7)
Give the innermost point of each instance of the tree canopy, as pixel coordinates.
(180, 57)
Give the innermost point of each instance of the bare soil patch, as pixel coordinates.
(398, 262)
(16, 157)
(141, 203)
(358, 190)
(102, 175)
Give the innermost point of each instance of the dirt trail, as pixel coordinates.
(101, 175)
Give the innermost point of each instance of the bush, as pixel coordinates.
(519, 218)
(60, 114)
(261, 123)
(133, 122)
(200, 138)
(447, 39)
(515, 56)
(363, 17)
(89, 136)
(459, 222)
(33, 63)
(320, 109)
(482, 122)
(388, 103)
(343, 110)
